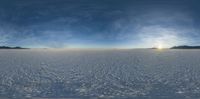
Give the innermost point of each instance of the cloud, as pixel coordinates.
(3, 39)
(151, 36)
(167, 26)
(6, 35)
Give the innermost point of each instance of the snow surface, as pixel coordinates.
(100, 74)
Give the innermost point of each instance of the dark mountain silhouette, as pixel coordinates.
(186, 47)
(8, 47)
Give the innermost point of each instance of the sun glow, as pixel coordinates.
(160, 46)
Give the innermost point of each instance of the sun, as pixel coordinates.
(160, 46)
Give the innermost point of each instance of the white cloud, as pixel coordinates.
(5, 36)
(151, 36)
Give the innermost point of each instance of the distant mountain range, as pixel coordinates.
(186, 47)
(8, 47)
(174, 47)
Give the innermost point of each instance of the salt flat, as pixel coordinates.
(100, 74)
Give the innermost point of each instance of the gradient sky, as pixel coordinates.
(99, 23)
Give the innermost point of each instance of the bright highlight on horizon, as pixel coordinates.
(160, 46)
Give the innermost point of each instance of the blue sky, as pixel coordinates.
(99, 23)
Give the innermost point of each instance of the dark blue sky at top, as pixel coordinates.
(99, 23)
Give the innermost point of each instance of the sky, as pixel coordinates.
(99, 23)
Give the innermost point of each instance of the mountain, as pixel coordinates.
(8, 47)
(186, 47)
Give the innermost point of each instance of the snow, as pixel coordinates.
(100, 74)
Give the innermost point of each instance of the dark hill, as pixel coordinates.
(186, 47)
(7, 47)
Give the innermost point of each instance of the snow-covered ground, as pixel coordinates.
(100, 74)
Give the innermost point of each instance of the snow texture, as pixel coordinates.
(100, 74)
